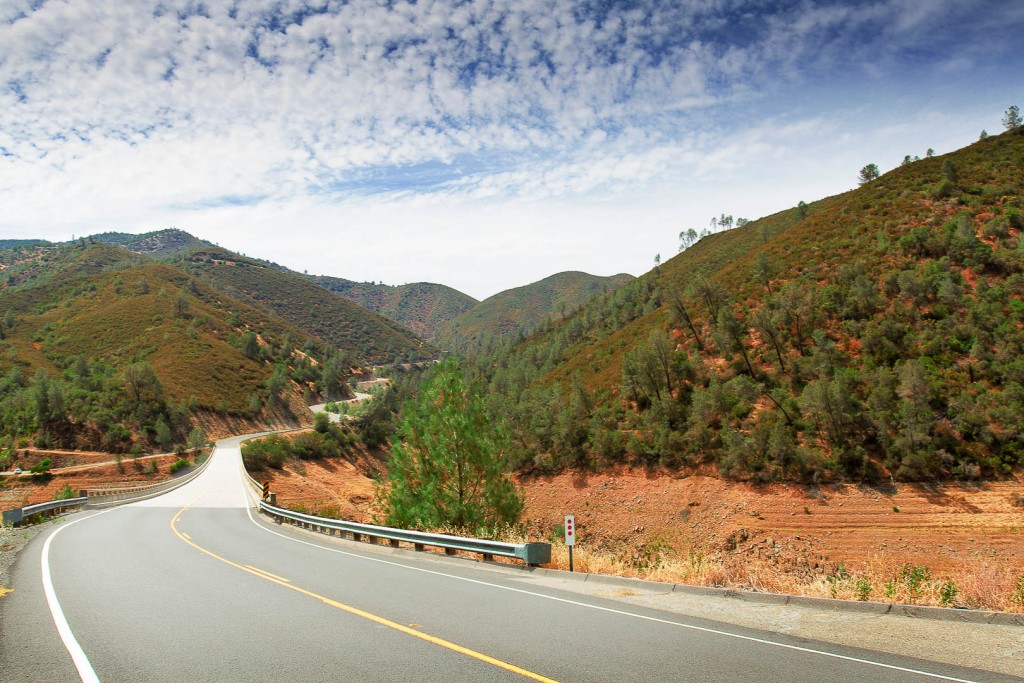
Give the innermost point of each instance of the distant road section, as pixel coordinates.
(194, 586)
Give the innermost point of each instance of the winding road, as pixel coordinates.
(195, 586)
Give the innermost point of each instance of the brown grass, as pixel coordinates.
(987, 587)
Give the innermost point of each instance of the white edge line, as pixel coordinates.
(78, 656)
(797, 648)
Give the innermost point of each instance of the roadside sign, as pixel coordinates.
(570, 530)
(266, 490)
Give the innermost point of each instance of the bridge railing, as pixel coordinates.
(105, 497)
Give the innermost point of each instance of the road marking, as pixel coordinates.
(258, 570)
(692, 627)
(361, 613)
(78, 656)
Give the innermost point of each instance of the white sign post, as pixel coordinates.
(570, 535)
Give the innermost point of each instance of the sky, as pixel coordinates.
(482, 145)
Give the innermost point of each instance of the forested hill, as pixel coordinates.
(522, 309)
(422, 307)
(104, 349)
(366, 337)
(874, 334)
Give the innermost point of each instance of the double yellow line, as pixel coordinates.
(284, 583)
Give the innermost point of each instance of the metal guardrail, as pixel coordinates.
(123, 494)
(532, 554)
(18, 515)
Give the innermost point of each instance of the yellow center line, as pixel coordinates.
(266, 576)
(264, 572)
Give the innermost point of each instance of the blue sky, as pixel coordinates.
(482, 145)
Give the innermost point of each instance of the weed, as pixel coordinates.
(948, 593)
(914, 577)
(807, 510)
(890, 589)
(1018, 591)
(864, 587)
(895, 508)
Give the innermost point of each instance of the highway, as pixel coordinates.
(195, 586)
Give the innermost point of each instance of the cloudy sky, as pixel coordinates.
(478, 144)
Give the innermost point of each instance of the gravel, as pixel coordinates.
(12, 540)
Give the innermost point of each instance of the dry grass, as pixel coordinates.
(985, 587)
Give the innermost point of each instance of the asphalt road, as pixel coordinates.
(194, 586)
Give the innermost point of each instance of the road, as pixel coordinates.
(194, 586)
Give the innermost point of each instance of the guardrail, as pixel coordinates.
(18, 515)
(123, 494)
(532, 554)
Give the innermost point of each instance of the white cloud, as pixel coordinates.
(542, 118)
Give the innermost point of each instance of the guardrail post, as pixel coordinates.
(356, 536)
(449, 551)
(418, 546)
(488, 557)
(394, 543)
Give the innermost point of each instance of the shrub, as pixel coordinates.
(948, 593)
(178, 465)
(42, 468)
(64, 493)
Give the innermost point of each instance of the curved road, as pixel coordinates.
(193, 586)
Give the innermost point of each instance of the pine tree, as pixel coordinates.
(447, 461)
(1012, 120)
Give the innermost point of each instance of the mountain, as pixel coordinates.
(159, 244)
(366, 337)
(422, 307)
(102, 348)
(871, 335)
(18, 244)
(524, 308)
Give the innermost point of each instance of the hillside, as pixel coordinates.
(422, 307)
(870, 335)
(17, 244)
(364, 336)
(159, 244)
(104, 349)
(524, 308)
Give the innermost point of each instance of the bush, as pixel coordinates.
(64, 493)
(42, 468)
(178, 465)
(270, 451)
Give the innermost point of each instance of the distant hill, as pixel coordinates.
(524, 308)
(422, 307)
(105, 349)
(368, 338)
(159, 244)
(874, 334)
(16, 244)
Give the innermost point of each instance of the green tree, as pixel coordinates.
(196, 439)
(164, 435)
(1012, 120)
(447, 461)
(868, 173)
(182, 304)
(687, 238)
